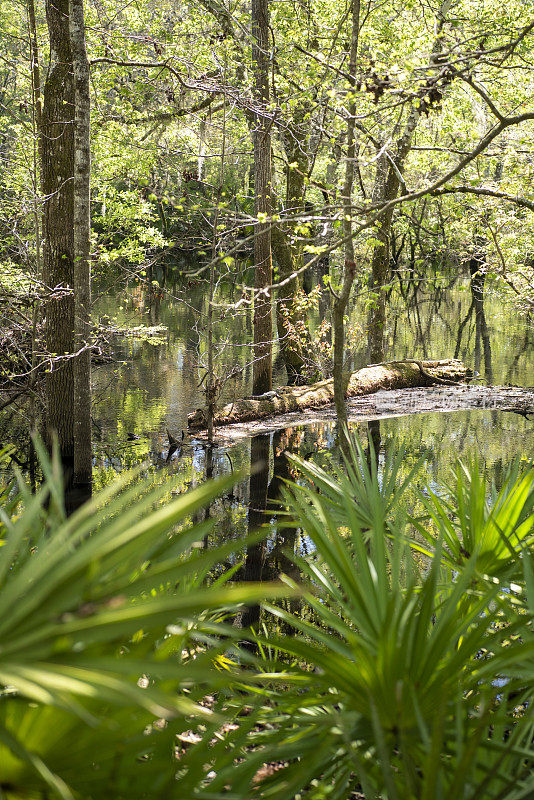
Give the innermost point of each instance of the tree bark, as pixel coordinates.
(293, 331)
(349, 270)
(58, 234)
(263, 332)
(83, 456)
(394, 375)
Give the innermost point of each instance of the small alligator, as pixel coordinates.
(265, 396)
(198, 418)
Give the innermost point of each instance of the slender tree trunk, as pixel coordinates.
(37, 192)
(201, 158)
(83, 456)
(263, 331)
(58, 234)
(37, 141)
(388, 179)
(386, 187)
(36, 75)
(211, 379)
(349, 270)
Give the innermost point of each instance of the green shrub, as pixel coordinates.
(108, 636)
(401, 681)
(408, 672)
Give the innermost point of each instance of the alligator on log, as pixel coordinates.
(389, 375)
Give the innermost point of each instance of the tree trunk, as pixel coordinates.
(82, 242)
(394, 375)
(389, 171)
(349, 270)
(58, 212)
(293, 331)
(263, 332)
(386, 186)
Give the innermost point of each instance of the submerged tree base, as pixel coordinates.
(390, 375)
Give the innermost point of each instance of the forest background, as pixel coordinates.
(376, 144)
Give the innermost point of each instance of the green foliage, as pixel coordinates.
(14, 279)
(491, 533)
(399, 682)
(126, 229)
(400, 679)
(108, 636)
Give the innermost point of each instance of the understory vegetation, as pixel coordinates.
(396, 660)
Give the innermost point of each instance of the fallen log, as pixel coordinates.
(390, 375)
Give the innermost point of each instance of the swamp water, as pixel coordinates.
(153, 385)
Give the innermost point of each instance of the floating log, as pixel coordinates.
(389, 375)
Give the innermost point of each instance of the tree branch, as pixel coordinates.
(519, 201)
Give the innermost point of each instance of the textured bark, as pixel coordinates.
(58, 236)
(296, 346)
(395, 375)
(263, 331)
(349, 270)
(83, 456)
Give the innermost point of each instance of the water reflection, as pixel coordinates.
(254, 565)
(374, 439)
(151, 387)
(146, 395)
(156, 385)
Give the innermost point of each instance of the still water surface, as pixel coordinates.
(153, 386)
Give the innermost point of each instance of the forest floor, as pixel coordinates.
(392, 403)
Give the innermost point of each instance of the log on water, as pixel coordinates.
(390, 375)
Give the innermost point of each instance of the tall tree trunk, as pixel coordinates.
(386, 186)
(263, 332)
(58, 234)
(293, 332)
(389, 171)
(349, 270)
(37, 192)
(36, 85)
(82, 242)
